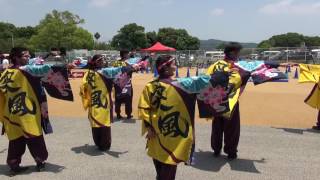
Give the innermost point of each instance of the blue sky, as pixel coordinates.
(233, 20)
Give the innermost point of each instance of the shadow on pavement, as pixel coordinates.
(53, 168)
(92, 150)
(129, 121)
(298, 131)
(3, 150)
(124, 120)
(115, 154)
(205, 161)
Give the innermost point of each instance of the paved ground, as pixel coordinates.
(264, 153)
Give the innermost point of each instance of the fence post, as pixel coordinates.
(305, 56)
(296, 74)
(287, 54)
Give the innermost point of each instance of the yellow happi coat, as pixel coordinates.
(96, 99)
(23, 106)
(21, 114)
(164, 109)
(234, 79)
(311, 74)
(119, 63)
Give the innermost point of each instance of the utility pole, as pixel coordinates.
(12, 40)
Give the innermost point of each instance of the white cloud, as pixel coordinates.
(101, 3)
(292, 7)
(217, 12)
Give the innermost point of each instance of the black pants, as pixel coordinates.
(318, 120)
(102, 137)
(128, 105)
(231, 130)
(17, 148)
(165, 171)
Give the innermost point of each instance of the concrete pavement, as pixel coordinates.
(264, 153)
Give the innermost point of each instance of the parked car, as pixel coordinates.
(80, 61)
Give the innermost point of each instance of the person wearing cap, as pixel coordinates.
(123, 95)
(227, 126)
(24, 109)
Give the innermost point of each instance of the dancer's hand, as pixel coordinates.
(151, 134)
(234, 69)
(70, 66)
(136, 67)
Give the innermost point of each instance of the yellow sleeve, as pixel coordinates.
(210, 69)
(2, 101)
(309, 73)
(221, 65)
(144, 108)
(85, 94)
(235, 79)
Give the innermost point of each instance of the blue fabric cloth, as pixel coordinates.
(249, 65)
(194, 84)
(133, 61)
(32, 61)
(37, 70)
(110, 72)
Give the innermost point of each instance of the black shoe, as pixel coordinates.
(190, 162)
(119, 117)
(217, 153)
(41, 166)
(18, 170)
(232, 156)
(129, 117)
(316, 127)
(104, 149)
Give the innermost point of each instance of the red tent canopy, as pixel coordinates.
(159, 47)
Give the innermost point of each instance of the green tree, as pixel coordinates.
(130, 36)
(178, 38)
(265, 44)
(10, 36)
(312, 41)
(25, 32)
(7, 31)
(290, 40)
(151, 38)
(60, 29)
(81, 39)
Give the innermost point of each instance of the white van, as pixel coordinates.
(270, 53)
(316, 53)
(267, 55)
(215, 55)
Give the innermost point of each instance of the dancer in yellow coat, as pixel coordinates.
(23, 106)
(229, 123)
(95, 92)
(227, 126)
(311, 74)
(167, 109)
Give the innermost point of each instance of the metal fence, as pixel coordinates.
(192, 58)
(297, 55)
